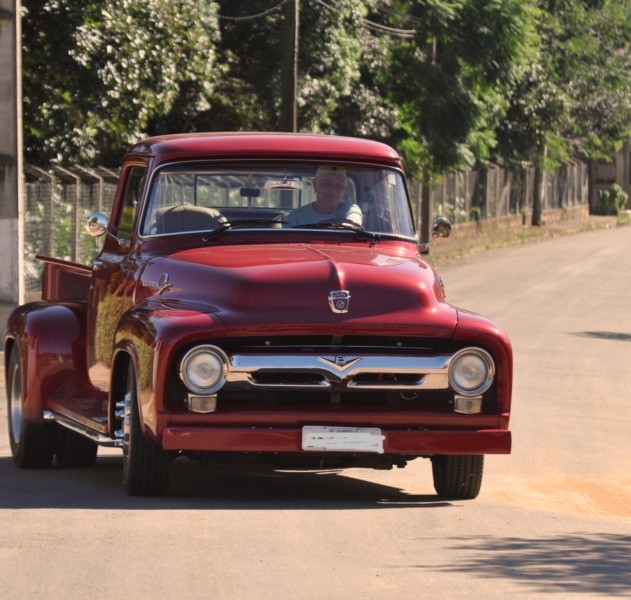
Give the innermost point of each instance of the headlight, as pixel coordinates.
(203, 369)
(471, 371)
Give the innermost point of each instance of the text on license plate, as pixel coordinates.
(342, 439)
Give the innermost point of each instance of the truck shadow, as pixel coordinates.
(237, 487)
(606, 335)
(576, 564)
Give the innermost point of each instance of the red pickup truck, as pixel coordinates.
(257, 298)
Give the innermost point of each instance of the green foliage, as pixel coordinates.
(337, 64)
(98, 74)
(450, 80)
(573, 98)
(447, 82)
(613, 199)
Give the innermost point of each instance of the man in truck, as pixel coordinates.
(330, 184)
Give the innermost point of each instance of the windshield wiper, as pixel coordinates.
(342, 224)
(215, 232)
(238, 223)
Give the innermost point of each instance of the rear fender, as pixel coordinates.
(52, 345)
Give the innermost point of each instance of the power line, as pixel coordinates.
(257, 16)
(389, 11)
(373, 26)
(393, 31)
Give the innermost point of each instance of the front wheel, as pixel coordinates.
(145, 464)
(31, 443)
(458, 477)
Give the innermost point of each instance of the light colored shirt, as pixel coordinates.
(304, 215)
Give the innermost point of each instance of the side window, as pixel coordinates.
(133, 191)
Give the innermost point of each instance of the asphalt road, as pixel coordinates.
(553, 519)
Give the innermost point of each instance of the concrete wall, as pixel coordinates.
(11, 202)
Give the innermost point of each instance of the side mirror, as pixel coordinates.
(96, 225)
(441, 228)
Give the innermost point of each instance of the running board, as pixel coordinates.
(95, 436)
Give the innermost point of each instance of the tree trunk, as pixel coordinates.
(537, 200)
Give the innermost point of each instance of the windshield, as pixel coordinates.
(194, 198)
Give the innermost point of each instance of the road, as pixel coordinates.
(553, 519)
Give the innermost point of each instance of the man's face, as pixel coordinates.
(329, 191)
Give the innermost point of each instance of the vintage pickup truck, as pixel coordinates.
(257, 298)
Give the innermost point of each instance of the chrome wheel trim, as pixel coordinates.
(126, 429)
(15, 405)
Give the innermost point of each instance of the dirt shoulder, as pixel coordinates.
(468, 239)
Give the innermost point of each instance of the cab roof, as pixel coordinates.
(200, 146)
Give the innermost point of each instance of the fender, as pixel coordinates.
(151, 335)
(51, 341)
(489, 335)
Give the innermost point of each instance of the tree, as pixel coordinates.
(573, 98)
(449, 80)
(99, 75)
(331, 54)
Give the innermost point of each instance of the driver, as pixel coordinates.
(329, 184)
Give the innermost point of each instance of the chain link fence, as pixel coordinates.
(58, 201)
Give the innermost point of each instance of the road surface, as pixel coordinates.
(553, 519)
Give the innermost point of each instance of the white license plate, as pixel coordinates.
(318, 438)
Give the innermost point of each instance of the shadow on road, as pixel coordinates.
(237, 487)
(606, 335)
(596, 564)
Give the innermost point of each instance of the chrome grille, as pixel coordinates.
(323, 372)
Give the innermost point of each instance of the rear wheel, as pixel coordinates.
(458, 477)
(31, 443)
(145, 464)
(74, 450)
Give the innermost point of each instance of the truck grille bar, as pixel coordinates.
(326, 372)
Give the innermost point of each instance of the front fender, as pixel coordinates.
(475, 329)
(51, 341)
(151, 338)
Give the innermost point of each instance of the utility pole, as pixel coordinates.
(11, 188)
(425, 201)
(291, 33)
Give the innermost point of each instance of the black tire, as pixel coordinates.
(458, 477)
(73, 450)
(145, 464)
(32, 444)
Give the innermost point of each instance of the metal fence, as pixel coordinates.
(58, 201)
(492, 192)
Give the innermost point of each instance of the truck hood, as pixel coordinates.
(285, 288)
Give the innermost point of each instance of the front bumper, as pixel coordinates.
(289, 440)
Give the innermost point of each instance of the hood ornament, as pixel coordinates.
(339, 301)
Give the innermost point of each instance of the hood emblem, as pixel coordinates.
(339, 361)
(339, 301)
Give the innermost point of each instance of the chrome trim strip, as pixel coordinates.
(340, 371)
(95, 436)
